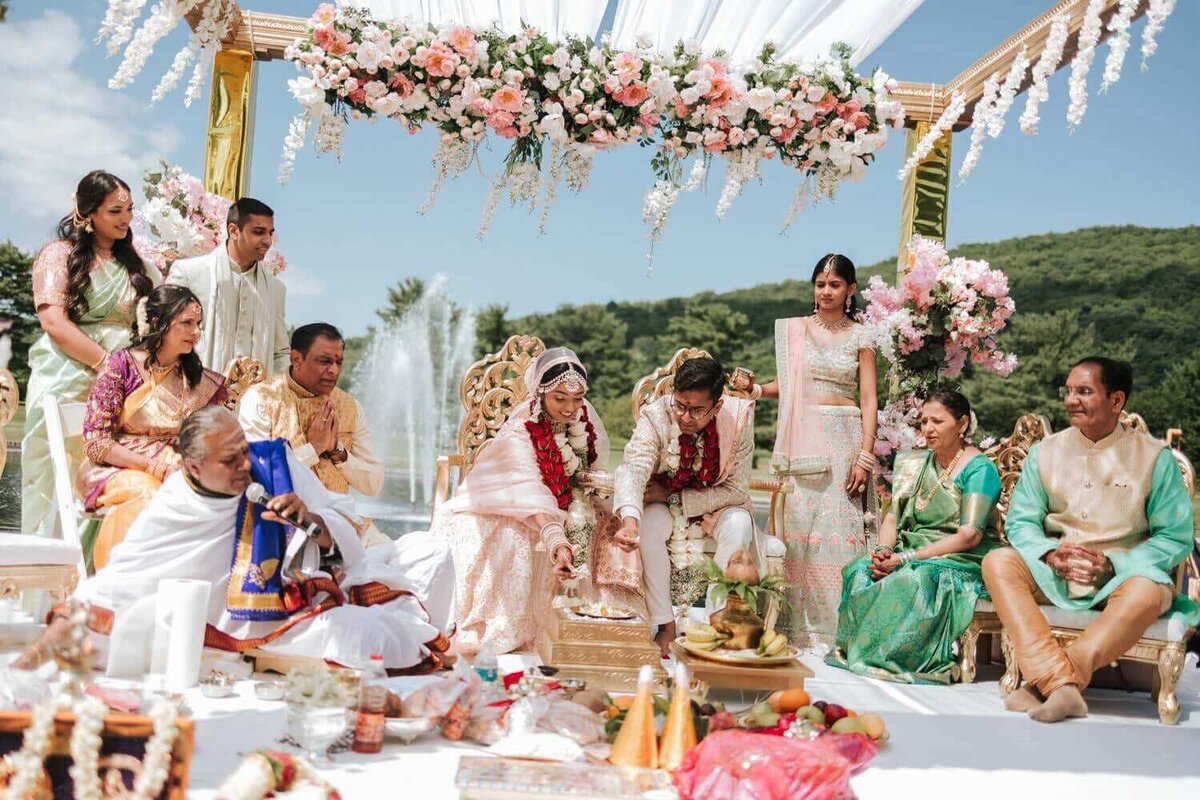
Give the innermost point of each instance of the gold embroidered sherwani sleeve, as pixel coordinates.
(254, 414)
(362, 468)
(641, 456)
(734, 490)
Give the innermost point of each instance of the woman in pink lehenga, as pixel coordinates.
(520, 519)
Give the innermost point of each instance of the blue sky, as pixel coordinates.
(351, 228)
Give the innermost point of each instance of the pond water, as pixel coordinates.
(10, 491)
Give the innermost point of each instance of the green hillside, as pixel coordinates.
(1125, 291)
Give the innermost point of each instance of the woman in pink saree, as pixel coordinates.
(520, 519)
(140, 398)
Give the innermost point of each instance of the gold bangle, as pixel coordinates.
(99, 362)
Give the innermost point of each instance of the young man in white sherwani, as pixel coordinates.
(666, 504)
(244, 304)
(190, 530)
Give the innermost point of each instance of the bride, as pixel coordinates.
(523, 492)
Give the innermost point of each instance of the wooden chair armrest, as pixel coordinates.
(773, 486)
(441, 484)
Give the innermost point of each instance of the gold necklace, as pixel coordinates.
(833, 327)
(922, 501)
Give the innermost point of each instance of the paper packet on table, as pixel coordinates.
(538, 714)
(447, 701)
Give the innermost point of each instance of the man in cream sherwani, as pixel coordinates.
(244, 304)
(657, 504)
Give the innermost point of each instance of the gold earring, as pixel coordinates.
(87, 226)
(849, 303)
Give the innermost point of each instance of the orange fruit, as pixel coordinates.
(623, 701)
(788, 700)
(851, 713)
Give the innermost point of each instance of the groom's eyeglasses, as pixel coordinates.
(1083, 392)
(695, 412)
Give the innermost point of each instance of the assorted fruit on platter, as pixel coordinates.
(702, 636)
(783, 711)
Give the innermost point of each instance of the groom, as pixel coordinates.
(686, 465)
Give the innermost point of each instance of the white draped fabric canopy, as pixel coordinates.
(800, 28)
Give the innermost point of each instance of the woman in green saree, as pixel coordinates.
(86, 284)
(903, 608)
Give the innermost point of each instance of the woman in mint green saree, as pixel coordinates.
(903, 608)
(86, 284)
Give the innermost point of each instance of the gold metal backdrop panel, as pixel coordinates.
(926, 193)
(230, 124)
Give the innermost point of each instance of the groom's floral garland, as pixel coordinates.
(563, 452)
(693, 462)
(579, 97)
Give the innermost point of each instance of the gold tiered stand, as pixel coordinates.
(606, 654)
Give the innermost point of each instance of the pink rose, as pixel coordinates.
(508, 98)
(401, 85)
(463, 41)
(324, 37)
(325, 14)
(632, 95)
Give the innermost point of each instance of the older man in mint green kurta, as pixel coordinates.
(1098, 519)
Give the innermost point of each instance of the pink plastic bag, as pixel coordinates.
(738, 765)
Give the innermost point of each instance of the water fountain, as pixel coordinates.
(407, 381)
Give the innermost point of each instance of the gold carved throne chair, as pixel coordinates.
(1162, 646)
(490, 390)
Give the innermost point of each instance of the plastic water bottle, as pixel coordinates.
(372, 699)
(486, 664)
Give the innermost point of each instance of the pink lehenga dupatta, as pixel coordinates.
(801, 448)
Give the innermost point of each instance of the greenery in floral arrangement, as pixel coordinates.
(772, 587)
(318, 686)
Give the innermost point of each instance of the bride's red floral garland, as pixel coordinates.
(686, 476)
(549, 456)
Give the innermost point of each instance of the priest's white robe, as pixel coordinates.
(183, 534)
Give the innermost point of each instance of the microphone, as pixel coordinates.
(257, 493)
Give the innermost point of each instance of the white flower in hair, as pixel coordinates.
(143, 324)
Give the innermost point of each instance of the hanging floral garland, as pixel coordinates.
(582, 97)
(561, 451)
(1047, 64)
(693, 462)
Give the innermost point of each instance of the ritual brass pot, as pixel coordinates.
(740, 623)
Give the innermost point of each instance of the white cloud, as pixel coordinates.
(301, 283)
(58, 122)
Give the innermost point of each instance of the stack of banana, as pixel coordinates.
(702, 636)
(772, 643)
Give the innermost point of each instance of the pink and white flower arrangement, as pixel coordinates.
(581, 97)
(181, 220)
(944, 313)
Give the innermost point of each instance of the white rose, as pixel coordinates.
(815, 93)
(387, 105)
(369, 55)
(761, 98)
(690, 96)
(577, 442)
(306, 91)
(552, 126)
(561, 58)
(691, 47)
(552, 82)
(587, 84)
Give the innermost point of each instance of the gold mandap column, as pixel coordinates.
(926, 193)
(230, 124)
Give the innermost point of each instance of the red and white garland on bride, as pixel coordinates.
(693, 462)
(561, 452)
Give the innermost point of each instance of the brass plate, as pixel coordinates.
(726, 657)
(613, 613)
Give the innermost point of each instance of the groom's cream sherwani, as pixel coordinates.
(244, 312)
(722, 505)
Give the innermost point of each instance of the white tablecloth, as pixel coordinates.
(955, 741)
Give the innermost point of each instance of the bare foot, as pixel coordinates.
(664, 637)
(1063, 703)
(1023, 700)
(40, 652)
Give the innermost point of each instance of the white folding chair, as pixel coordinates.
(63, 421)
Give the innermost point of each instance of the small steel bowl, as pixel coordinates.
(217, 684)
(269, 690)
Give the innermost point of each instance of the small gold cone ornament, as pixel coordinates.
(636, 744)
(679, 735)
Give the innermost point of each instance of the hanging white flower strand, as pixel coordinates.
(551, 193)
(293, 143)
(945, 122)
(117, 27)
(162, 20)
(799, 201)
(1008, 93)
(489, 208)
(1047, 64)
(1089, 36)
(656, 208)
(1156, 16)
(743, 167)
(450, 159)
(1118, 45)
(979, 124)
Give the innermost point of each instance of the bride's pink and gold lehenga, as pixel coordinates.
(127, 406)
(504, 523)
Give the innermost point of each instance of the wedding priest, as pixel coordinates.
(244, 304)
(1098, 519)
(200, 526)
(685, 474)
(328, 431)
